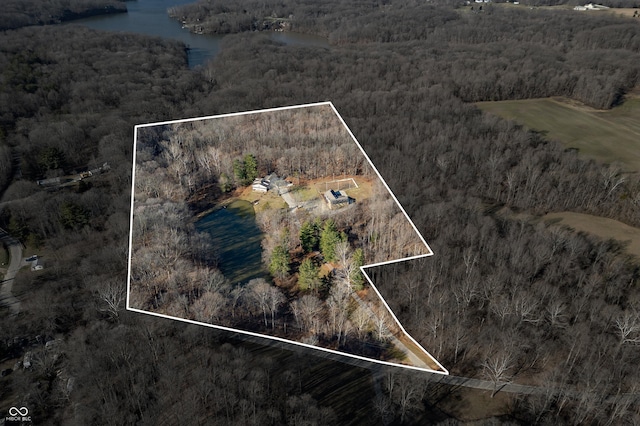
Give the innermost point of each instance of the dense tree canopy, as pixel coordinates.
(561, 305)
(20, 13)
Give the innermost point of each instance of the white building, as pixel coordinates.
(260, 185)
(591, 6)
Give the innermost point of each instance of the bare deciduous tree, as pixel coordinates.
(211, 307)
(307, 311)
(343, 249)
(628, 326)
(556, 312)
(361, 320)
(113, 294)
(337, 312)
(258, 293)
(496, 368)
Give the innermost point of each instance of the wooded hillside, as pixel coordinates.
(548, 306)
(22, 13)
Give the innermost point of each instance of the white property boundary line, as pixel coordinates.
(344, 180)
(355, 184)
(362, 268)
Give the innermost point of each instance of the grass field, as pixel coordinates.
(265, 200)
(601, 227)
(312, 189)
(362, 192)
(304, 193)
(607, 136)
(626, 12)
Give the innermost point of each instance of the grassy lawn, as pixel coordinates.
(265, 200)
(362, 192)
(304, 193)
(599, 226)
(607, 136)
(626, 12)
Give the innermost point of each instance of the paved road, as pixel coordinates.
(631, 398)
(488, 385)
(15, 251)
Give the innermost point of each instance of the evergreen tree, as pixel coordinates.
(52, 159)
(279, 265)
(356, 277)
(72, 216)
(250, 168)
(318, 224)
(239, 171)
(245, 170)
(308, 278)
(18, 228)
(328, 240)
(308, 237)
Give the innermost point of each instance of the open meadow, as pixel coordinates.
(608, 136)
(601, 227)
(611, 136)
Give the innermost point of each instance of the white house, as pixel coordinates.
(591, 6)
(270, 183)
(260, 185)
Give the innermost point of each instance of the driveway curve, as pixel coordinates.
(15, 251)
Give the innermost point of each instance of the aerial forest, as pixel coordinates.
(312, 253)
(505, 298)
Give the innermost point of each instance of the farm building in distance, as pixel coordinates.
(591, 6)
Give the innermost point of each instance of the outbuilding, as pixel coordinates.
(337, 198)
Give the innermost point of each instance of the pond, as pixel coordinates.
(150, 17)
(237, 239)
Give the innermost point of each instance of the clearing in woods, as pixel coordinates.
(608, 136)
(599, 226)
(238, 238)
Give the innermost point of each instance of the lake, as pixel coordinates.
(237, 239)
(150, 17)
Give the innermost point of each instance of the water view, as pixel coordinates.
(237, 239)
(150, 17)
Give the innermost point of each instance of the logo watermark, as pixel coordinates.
(16, 414)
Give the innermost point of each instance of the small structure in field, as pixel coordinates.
(337, 198)
(36, 265)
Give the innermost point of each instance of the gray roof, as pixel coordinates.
(336, 197)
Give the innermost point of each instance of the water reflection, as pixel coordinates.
(237, 240)
(150, 17)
